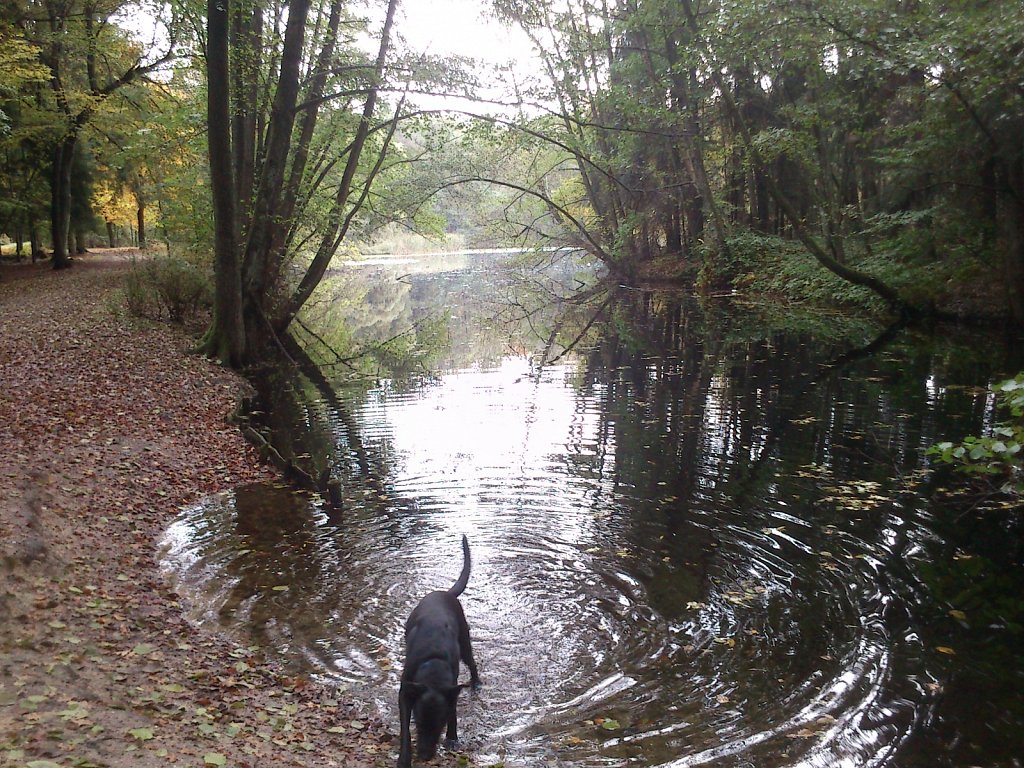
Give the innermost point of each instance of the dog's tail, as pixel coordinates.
(463, 579)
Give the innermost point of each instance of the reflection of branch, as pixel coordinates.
(774, 431)
(316, 377)
(570, 347)
(364, 351)
(323, 342)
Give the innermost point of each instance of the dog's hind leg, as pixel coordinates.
(466, 653)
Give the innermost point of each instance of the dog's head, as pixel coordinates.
(431, 710)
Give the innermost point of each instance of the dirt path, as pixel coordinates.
(107, 427)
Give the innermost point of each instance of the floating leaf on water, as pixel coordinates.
(610, 724)
(141, 734)
(280, 588)
(958, 615)
(945, 649)
(803, 733)
(214, 758)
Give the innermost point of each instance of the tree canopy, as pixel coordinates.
(694, 139)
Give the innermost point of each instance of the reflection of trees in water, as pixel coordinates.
(695, 396)
(706, 413)
(281, 563)
(311, 431)
(447, 312)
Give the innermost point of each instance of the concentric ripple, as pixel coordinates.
(632, 601)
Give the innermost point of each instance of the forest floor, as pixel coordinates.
(107, 428)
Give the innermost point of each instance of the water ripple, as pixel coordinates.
(616, 620)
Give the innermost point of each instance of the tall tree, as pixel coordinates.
(832, 122)
(23, 136)
(269, 163)
(89, 59)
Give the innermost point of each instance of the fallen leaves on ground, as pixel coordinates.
(107, 427)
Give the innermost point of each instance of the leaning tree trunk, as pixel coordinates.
(338, 224)
(896, 303)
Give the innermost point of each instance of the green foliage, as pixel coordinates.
(999, 454)
(169, 288)
(19, 63)
(773, 266)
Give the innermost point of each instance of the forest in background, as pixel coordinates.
(866, 154)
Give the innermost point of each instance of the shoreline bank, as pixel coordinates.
(108, 427)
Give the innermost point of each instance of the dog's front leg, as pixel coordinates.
(452, 734)
(405, 737)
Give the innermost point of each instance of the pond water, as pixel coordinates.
(695, 541)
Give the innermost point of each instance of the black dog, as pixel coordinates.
(436, 637)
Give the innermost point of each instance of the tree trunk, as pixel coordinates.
(60, 200)
(693, 148)
(1013, 227)
(245, 41)
(336, 230)
(226, 337)
(33, 240)
(307, 124)
(259, 264)
(111, 239)
(140, 217)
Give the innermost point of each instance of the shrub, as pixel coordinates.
(999, 454)
(168, 288)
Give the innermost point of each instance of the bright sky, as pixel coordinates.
(439, 27)
(460, 27)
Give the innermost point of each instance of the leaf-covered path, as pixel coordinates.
(107, 427)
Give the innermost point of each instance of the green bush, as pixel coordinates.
(773, 266)
(168, 288)
(999, 454)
